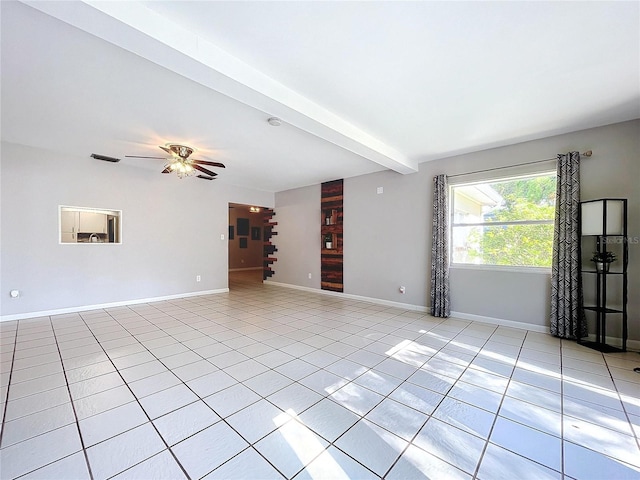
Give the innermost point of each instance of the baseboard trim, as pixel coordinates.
(418, 308)
(633, 345)
(244, 269)
(502, 322)
(84, 308)
(377, 301)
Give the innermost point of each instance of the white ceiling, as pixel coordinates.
(360, 86)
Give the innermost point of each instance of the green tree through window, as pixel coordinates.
(514, 227)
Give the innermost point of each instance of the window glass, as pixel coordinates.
(504, 222)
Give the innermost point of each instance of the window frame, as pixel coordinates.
(495, 179)
(117, 214)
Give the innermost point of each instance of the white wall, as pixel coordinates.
(170, 232)
(387, 237)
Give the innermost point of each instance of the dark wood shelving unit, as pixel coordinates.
(603, 309)
(331, 249)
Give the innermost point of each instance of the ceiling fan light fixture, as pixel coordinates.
(181, 168)
(182, 165)
(185, 170)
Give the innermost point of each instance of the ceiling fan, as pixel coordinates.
(182, 165)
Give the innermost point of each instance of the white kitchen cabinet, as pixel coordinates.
(92, 222)
(67, 237)
(69, 222)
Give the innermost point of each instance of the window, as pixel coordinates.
(504, 222)
(89, 225)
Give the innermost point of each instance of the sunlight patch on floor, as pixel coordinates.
(305, 445)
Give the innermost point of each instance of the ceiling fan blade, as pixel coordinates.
(205, 162)
(204, 170)
(167, 150)
(139, 156)
(205, 177)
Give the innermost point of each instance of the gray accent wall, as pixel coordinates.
(387, 237)
(298, 241)
(171, 232)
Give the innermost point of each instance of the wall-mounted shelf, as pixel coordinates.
(331, 246)
(330, 217)
(268, 248)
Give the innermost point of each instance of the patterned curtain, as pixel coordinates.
(440, 249)
(566, 293)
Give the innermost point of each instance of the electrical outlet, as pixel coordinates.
(402, 290)
(197, 278)
(222, 236)
(309, 276)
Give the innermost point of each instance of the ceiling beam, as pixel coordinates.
(135, 28)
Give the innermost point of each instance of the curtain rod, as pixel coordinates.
(588, 153)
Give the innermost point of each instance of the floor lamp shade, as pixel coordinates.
(603, 217)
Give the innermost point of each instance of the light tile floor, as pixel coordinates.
(266, 382)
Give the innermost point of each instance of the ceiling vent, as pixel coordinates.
(105, 158)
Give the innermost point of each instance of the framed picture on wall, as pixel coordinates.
(231, 230)
(255, 233)
(243, 226)
(243, 242)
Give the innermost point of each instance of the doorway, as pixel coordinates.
(246, 231)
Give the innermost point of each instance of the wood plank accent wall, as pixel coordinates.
(269, 247)
(331, 258)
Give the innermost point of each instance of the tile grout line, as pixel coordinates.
(562, 440)
(362, 417)
(624, 409)
(66, 382)
(73, 407)
(316, 348)
(202, 310)
(361, 348)
(6, 403)
(497, 415)
(429, 416)
(250, 445)
(369, 368)
(139, 404)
